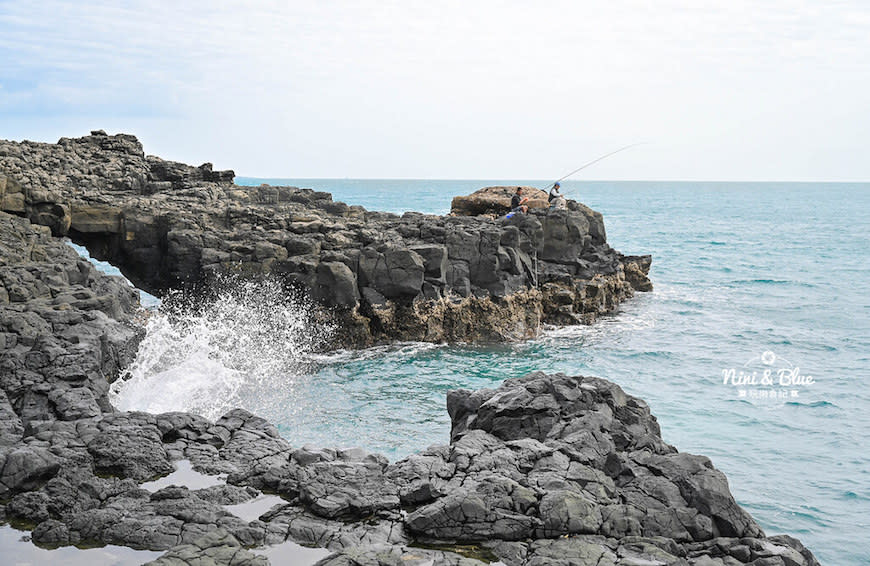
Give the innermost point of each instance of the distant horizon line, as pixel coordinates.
(543, 179)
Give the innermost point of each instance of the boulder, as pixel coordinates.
(495, 201)
(434, 261)
(24, 468)
(336, 285)
(128, 446)
(394, 272)
(565, 237)
(346, 490)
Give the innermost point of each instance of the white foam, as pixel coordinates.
(230, 351)
(398, 349)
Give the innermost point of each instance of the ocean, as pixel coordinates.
(752, 349)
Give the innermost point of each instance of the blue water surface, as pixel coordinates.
(739, 269)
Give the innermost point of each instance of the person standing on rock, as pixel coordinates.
(518, 202)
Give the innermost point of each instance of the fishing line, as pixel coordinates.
(593, 162)
(582, 167)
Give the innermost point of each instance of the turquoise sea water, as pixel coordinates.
(739, 269)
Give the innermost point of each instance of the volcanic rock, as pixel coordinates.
(382, 277)
(544, 469)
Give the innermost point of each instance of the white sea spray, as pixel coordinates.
(236, 348)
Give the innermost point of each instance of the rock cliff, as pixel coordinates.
(545, 469)
(66, 329)
(384, 277)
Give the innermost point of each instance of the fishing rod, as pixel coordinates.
(582, 167)
(593, 162)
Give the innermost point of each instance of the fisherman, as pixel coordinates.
(554, 192)
(518, 202)
(555, 198)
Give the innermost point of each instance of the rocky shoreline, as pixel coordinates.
(545, 469)
(383, 277)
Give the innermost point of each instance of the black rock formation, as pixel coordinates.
(545, 469)
(384, 277)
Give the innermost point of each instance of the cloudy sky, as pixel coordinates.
(737, 90)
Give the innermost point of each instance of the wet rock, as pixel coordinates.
(346, 490)
(636, 269)
(24, 468)
(559, 469)
(128, 445)
(215, 548)
(226, 494)
(383, 555)
(297, 524)
(162, 520)
(52, 532)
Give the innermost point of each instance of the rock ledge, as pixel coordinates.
(384, 277)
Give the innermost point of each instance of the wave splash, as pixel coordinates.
(237, 348)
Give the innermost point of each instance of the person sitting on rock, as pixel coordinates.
(518, 202)
(554, 192)
(555, 198)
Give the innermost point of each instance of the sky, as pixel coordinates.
(739, 90)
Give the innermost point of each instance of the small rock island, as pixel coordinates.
(545, 469)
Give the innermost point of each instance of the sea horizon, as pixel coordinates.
(742, 279)
(542, 179)
(664, 363)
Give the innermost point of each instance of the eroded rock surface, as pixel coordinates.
(385, 277)
(65, 330)
(545, 469)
